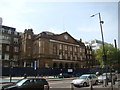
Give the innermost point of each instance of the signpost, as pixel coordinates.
(35, 67)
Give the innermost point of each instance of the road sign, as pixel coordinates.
(70, 70)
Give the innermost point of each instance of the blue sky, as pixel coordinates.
(58, 17)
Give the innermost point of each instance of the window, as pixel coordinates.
(90, 52)
(63, 53)
(3, 30)
(71, 57)
(83, 50)
(9, 31)
(66, 56)
(57, 51)
(80, 57)
(65, 47)
(60, 46)
(15, 40)
(60, 56)
(75, 57)
(6, 56)
(7, 48)
(68, 53)
(16, 49)
(15, 33)
(29, 36)
(70, 48)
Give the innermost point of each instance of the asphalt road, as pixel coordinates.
(65, 84)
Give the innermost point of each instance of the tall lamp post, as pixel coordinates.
(11, 69)
(104, 54)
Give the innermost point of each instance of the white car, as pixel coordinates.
(85, 80)
(110, 76)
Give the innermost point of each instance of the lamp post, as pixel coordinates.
(104, 54)
(11, 69)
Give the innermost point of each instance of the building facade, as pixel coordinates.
(53, 50)
(9, 46)
(95, 44)
(45, 49)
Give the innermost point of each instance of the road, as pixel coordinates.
(60, 84)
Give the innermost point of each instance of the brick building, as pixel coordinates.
(54, 50)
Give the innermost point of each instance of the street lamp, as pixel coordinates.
(11, 69)
(101, 22)
(104, 55)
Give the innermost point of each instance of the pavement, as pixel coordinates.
(4, 80)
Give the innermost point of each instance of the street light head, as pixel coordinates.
(92, 15)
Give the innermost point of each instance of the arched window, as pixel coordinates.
(66, 65)
(60, 65)
(54, 65)
(71, 65)
(76, 65)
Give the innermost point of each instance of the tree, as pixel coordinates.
(112, 56)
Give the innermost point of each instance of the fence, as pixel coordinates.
(29, 71)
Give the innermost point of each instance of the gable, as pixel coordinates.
(66, 37)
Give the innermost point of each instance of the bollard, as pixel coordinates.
(72, 86)
(90, 83)
(113, 81)
(105, 82)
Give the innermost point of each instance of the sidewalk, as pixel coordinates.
(4, 80)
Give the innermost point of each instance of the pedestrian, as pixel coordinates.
(25, 76)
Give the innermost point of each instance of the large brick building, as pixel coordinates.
(54, 50)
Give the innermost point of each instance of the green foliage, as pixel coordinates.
(112, 55)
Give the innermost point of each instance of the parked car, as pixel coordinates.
(64, 75)
(28, 83)
(110, 76)
(85, 79)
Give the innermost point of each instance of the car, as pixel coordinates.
(85, 79)
(64, 75)
(28, 83)
(102, 77)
